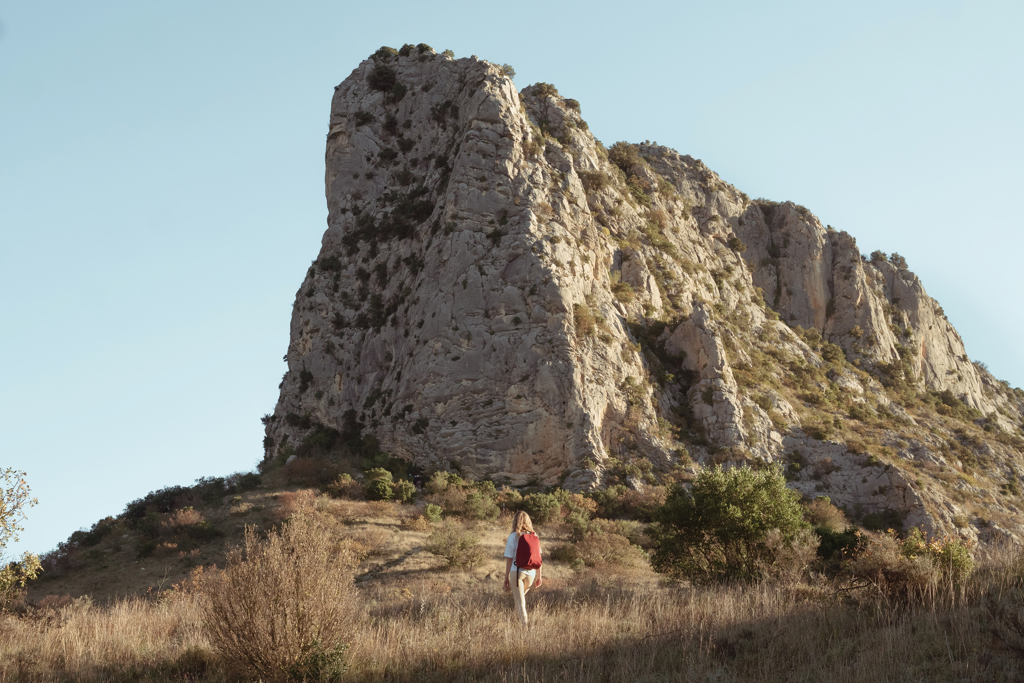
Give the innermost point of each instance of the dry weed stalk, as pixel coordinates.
(283, 605)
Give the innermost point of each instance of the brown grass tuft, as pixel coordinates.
(283, 606)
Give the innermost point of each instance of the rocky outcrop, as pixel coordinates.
(497, 291)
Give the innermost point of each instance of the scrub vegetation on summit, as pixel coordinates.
(500, 294)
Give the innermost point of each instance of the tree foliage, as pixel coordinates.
(15, 499)
(719, 529)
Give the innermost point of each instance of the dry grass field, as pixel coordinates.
(415, 620)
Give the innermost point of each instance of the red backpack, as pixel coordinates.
(528, 552)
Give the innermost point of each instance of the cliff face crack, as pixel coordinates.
(498, 291)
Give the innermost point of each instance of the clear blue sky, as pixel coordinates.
(161, 185)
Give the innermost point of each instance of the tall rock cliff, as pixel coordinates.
(498, 292)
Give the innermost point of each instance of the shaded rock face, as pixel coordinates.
(499, 292)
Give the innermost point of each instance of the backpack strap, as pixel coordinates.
(519, 537)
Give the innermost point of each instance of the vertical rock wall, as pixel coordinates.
(498, 291)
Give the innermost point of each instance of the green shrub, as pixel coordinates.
(822, 513)
(719, 529)
(593, 181)
(832, 353)
(623, 291)
(620, 501)
(542, 507)
(838, 545)
(382, 78)
(880, 521)
(432, 512)
(379, 473)
(601, 550)
(457, 546)
(246, 481)
(404, 491)
(379, 489)
(479, 506)
(625, 156)
(736, 244)
(545, 89)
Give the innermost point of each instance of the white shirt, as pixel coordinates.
(510, 551)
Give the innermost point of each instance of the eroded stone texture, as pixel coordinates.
(498, 291)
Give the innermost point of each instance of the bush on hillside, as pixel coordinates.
(620, 501)
(404, 491)
(379, 484)
(432, 512)
(542, 507)
(601, 550)
(379, 489)
(344, 486)
(310, 472)
(719, 529)
(914, 567)
(458, 547)
(480, 506)
(283, 608)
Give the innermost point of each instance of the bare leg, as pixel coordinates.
(519, 594)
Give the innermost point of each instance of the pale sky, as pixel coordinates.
(161, 185)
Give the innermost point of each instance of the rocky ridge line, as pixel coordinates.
(498, 292)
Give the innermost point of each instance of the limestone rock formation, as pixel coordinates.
(497, 291)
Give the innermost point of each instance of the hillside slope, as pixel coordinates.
(499, 293)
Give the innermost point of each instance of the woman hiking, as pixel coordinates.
(522, 548)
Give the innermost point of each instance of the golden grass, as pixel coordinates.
(132, 638)
(415, 621)
(434, 628)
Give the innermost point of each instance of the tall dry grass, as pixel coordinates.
(605, 631)
(133, 639)
(599, 625)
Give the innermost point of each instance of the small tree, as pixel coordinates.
(15, 498)
(378, 484)
(719, 529)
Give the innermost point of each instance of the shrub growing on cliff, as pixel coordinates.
(719, 530)
(625, 156)
(593, 181)
(623, 291)
(584, 320)
(382, 78)
(737, 245)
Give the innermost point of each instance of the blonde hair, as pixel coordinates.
(521, 523)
